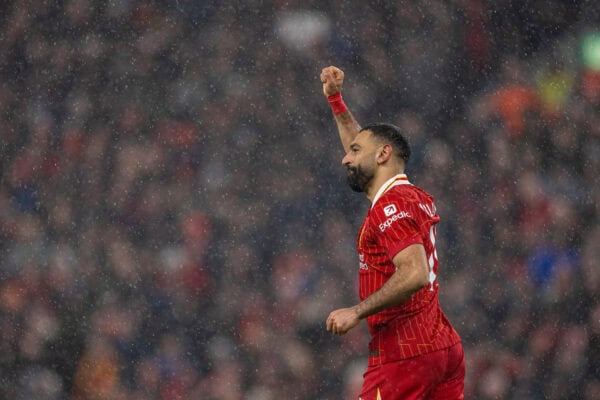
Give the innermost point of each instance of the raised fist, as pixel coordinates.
(332, 78)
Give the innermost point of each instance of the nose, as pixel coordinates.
(346, 160)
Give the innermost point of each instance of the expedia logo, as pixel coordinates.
(388, 222)
(390, 210)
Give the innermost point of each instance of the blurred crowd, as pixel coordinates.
(174, 218)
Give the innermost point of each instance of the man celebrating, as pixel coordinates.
(414, 353)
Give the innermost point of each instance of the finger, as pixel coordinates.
(323, 76)
(334, 326)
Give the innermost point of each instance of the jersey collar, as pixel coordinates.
(400, 179)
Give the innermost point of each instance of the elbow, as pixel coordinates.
(421, 279)
(422, 282)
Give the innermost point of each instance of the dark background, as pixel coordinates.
(174, 221)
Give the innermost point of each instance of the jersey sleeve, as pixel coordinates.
(397, 226)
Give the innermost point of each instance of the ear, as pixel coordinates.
(384, 153)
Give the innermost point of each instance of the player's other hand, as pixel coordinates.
(332, 79)
(341, 321)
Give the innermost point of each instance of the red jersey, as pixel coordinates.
(401, 215)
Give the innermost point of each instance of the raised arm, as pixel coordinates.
(332, 79)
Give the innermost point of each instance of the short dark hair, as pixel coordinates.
(391, 133)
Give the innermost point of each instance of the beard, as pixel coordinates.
(358, 179)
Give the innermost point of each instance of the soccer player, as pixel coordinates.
(414, 352)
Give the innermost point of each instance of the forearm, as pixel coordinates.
(348, 128)
(347, 125)
(395, 291)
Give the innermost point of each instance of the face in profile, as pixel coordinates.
(360, 162)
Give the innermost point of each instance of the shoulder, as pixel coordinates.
(405, 201)
(397, 203)
(406, 194)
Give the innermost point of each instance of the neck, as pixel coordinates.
(378, 181)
